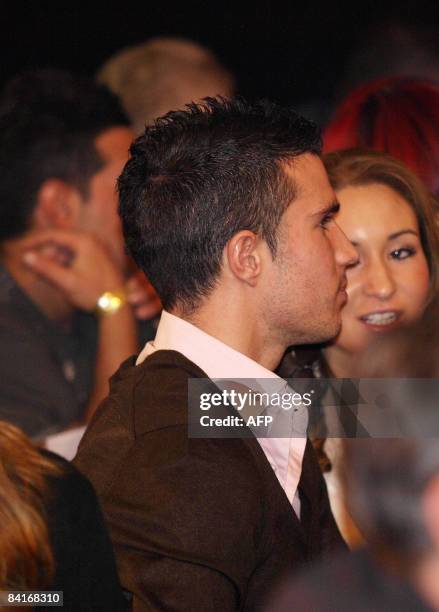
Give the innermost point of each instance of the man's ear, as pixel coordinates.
(58, 205)
(430, 508)
(243, 256)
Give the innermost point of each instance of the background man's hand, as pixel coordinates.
(75, 262)
(142, 297)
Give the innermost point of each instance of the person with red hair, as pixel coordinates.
(396, 115)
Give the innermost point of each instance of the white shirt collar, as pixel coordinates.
(211, 355)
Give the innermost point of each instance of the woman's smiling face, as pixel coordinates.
(389, 286)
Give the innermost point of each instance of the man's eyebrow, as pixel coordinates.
(330, 209)
(401, 232)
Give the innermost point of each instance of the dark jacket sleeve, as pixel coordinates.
(85, 566)
(191, 522)
(34, 395)
(186, 524)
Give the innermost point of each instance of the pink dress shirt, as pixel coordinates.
(218, 360)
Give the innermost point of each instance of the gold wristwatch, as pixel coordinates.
(111, 302)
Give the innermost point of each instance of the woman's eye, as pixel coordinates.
(402, 253)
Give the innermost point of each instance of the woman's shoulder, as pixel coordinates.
(67, 476)
(85, 566)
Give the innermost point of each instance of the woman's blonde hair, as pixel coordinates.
(26, 559)
(351, 167)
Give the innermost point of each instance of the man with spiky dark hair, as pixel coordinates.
(63, 142)
(227, 208)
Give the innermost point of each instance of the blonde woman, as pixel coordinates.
(52, 535)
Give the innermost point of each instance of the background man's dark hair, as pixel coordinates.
(387, 478)
(386, 481)
(48, 122)
(197, 177)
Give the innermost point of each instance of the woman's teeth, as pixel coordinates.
(380, 318)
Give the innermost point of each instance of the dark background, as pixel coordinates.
(293, 52)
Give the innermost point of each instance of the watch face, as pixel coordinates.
(110, 302)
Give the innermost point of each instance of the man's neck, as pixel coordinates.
(238, 328)
(45, 296)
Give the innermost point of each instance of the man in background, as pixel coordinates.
(65, 323)
(393, 487)
(161, 75)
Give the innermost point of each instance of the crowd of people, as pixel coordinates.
(158, 233)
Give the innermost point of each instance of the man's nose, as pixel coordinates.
(345, 254)
(378, 280)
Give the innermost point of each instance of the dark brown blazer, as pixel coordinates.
(197, 524)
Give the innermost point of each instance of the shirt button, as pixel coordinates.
(69, 370)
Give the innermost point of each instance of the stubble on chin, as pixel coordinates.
(330, 332)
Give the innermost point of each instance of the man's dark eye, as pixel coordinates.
(326, 219)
